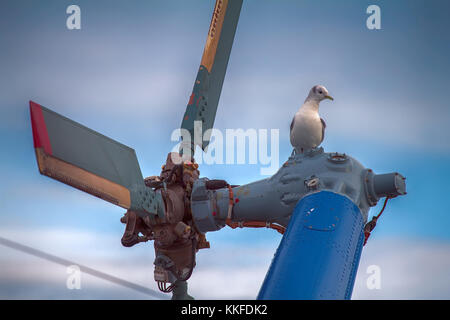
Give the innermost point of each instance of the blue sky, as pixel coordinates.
(128, 74)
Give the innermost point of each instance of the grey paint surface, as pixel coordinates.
(273, 199)
(102, 156)
(92, 151)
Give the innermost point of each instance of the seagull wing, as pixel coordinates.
(324, 125)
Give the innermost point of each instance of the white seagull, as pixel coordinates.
(307, 127)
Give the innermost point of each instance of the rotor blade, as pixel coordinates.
(43, 255)
(84, 159)
(202, 106)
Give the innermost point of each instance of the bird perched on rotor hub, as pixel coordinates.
(307, 127)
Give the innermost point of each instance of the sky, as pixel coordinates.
(128, 73)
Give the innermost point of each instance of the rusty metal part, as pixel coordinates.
(176, 239)
(216, 184)
(182, 230)
(164, 235)
(174, 203)
(134, 226)
(202, 243)
(152, 181)
(181, 254)
(256, 224)
(172, 171)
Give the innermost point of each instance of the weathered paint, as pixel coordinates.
(40, 134)
(87, 160)
(203, 102)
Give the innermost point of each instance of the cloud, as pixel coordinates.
(43, 279)
(410, 269)
(28, 277)
(392, 118)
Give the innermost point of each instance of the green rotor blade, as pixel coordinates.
(87, 160)
(202, 107)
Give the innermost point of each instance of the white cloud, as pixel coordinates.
(392, 118)
(410, 269)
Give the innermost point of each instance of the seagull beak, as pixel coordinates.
(329, 97)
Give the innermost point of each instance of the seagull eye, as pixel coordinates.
(320, 91)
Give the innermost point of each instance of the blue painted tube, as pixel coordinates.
(319, 253)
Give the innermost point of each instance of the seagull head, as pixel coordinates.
(318, 93)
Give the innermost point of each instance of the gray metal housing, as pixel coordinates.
(273, 199)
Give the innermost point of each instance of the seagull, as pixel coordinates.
(307, 127)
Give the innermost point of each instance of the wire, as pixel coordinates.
(368, 228)
(162, 286)
(384, 206)
(43, 255)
